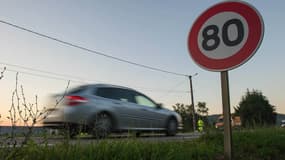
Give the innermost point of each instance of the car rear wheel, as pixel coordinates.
(102, 126)
(171, 129)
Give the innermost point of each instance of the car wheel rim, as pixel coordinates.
(102, 126)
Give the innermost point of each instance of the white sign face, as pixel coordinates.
(225, 36)
(221, 30)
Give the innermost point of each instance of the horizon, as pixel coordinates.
(148, 33)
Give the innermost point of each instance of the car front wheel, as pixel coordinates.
(171, 129)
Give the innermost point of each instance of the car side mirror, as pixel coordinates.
(159, 105)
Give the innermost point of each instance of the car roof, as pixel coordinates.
(102, 85)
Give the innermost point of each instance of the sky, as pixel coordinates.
(152, 33)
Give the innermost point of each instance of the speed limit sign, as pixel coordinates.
(225, 36)
(222, 38)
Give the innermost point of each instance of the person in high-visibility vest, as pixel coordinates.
(200, 125)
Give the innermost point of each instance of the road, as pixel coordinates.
(83, 140)
(144, 137)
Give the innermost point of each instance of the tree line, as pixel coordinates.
(254, 110)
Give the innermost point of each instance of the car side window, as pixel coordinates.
(124, 95)
(115, 93)
(105, 92)
(144, 101)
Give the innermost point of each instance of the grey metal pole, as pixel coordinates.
(192, 99)
(227, 116)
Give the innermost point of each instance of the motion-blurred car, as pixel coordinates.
(283, 123)
(100, 109)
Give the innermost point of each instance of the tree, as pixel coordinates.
(202, 109)
(255, 109)
(185, 112)
(202, 112)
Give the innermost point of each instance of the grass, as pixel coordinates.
(254, 144)
(260, 144)
(268, 143)
(121, 150)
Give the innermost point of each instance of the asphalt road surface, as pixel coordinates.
(120, 137)
(52, 140)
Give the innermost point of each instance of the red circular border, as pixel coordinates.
(255, 35)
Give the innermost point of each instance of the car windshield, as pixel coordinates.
(142, 100)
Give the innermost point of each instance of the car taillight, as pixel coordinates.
(75, 100)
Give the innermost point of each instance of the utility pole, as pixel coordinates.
(192, 99)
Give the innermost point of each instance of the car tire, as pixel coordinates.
(171, 128)
(102, 126)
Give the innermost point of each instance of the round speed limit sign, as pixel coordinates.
(225, 36)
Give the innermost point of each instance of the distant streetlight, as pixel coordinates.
(192, 99)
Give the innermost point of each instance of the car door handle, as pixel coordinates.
(118, 103)
(143, 109)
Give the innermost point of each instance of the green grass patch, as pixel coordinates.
(247, 144)
(122, 150)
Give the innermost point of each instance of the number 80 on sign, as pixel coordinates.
(225, 36)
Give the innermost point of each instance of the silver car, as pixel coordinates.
(100, 109)
(283, 123)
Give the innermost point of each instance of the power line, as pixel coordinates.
(42, 71)
(64, 79)
(74, 78)
(90, 50)
(43, 76)
(172, 89)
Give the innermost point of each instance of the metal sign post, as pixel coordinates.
(222, 38)
(227, 115)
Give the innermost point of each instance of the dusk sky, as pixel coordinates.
(152, 33)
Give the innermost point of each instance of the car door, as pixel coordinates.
(128, 116)
(151, 115)
(110, 101)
